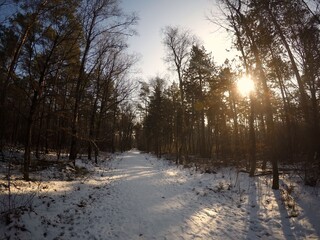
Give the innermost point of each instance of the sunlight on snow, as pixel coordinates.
(171, 173)
(131, 175)
(55, 187)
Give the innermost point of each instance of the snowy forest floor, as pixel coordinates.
(137, 196)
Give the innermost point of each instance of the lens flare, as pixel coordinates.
(245, 85)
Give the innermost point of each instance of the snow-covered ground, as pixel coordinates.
(136, 196)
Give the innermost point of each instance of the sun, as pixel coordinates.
(245, 85)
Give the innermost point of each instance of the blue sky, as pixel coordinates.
(156, 14)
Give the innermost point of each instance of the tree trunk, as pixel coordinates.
(303, 95)
(91, 128)
(27, 148)
(39, 136)
(286, 107)
(79, 92)
(252, 138)
(268, 107)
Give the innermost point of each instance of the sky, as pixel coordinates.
(189, 14)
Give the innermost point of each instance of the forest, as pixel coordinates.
(90, 149)
(203, 118)
(67, 87)
(64, 78)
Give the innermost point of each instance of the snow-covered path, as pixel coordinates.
(152, 203)
(136, 196)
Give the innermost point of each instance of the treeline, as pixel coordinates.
(64, 81)
(203, 115)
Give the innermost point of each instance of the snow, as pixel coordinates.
(137, 196)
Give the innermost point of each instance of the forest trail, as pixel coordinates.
(152, 202)
(154, 199)
(137, 196)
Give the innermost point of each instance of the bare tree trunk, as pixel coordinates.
(268, 106)
(92, 127)
(113, 130)
(252, 139)
(178, 43)
(79, 89)
(234, 112)
(39, 135)
(27, 148)
(33, 108)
